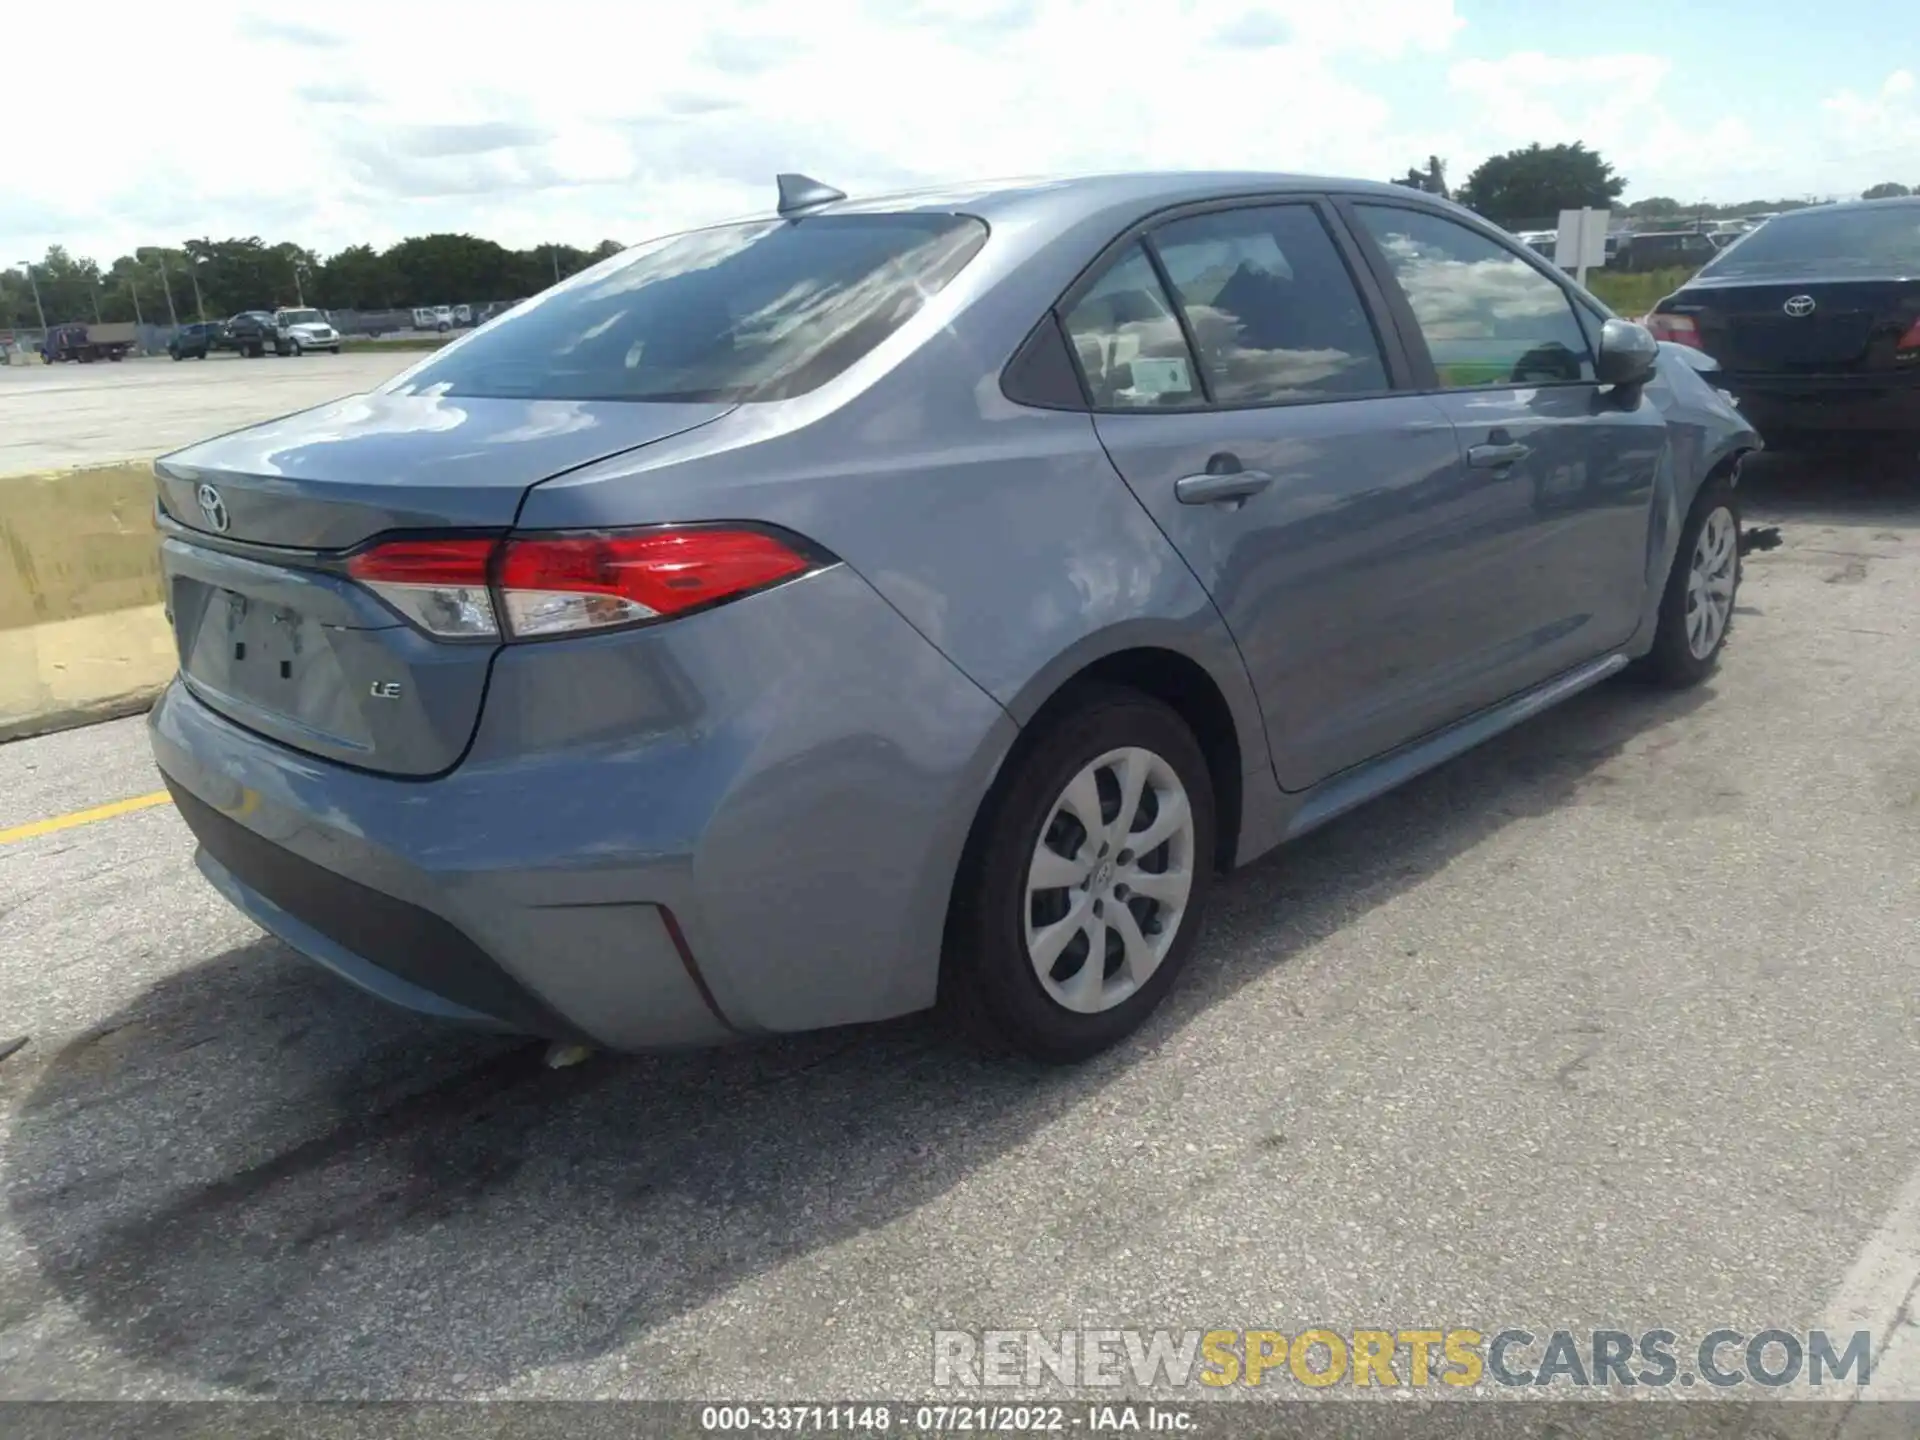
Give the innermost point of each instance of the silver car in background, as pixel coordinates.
(916, 600)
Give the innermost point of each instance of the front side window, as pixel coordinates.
(1128, 341)
(760, 311)
(1272, 308)
(1488, 317)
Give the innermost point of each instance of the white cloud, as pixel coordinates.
(579, 119)
(1626, 107)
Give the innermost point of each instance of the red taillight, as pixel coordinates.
(1680, 329)
(555, 584)
(440, 585)
(551, 585)
(1911, 340)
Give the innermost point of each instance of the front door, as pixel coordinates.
(1512, 366)
(1244, 393)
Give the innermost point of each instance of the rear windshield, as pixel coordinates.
(744, 312)
(1863, 238)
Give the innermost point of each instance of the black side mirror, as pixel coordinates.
(1629, 355)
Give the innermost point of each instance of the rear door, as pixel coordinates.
(1568, 464)
(1246, 391)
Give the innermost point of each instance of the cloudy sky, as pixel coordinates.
(575, 120)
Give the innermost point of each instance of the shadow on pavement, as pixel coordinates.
(256, 1178)
(1835, 482)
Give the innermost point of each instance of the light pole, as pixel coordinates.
(93, 294)
(554, 252)
(39, 309)
(299, 290)
(194, 262)
(172, 317)
(134, 290)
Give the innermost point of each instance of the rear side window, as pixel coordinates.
(1867, 238)
(1272, 308)
(1488, 317)
(744, 312)
(1128, 341)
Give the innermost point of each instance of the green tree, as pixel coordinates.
(165, 276)
(450, 269)
(1887, 190)
(1658, 207)
(242, 274)
(358, 278)
(546, 265)
(1432, 180)
(69, 288)
(1541, 181)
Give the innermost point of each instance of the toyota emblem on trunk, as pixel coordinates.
(213, 507)
(1799, 305)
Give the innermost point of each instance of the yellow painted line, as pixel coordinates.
(84, 817)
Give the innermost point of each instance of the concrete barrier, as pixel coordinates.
(83, 635)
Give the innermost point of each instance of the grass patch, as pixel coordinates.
(1633, 294)
(381, 347)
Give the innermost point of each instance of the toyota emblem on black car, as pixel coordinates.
(213, 507)
(1799, 305)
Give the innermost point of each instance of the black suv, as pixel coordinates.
(195, 340)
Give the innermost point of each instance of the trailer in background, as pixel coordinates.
(90, 342)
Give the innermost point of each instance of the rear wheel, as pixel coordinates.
(1085, 881)
(1696, 609)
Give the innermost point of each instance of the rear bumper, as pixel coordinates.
(746, 821)
(1823, 403)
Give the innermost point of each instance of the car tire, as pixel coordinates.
(297, 349)
(176, 354)
(1703, 588)
(1016, 971)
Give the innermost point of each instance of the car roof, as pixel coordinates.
(1063, 199)
(1841, 207)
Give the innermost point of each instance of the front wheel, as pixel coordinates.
(1085, 881)
(298, 349)
(1696, 609)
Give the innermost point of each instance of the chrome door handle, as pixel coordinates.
(1209, 489)
(1494, 457)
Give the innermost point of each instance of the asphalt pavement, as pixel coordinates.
(1611, 1022)
(54, 416)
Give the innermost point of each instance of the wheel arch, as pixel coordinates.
(1224, 718)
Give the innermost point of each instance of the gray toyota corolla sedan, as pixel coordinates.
(916, 600)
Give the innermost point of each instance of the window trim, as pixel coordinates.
(1415, 340)
(1402, 372)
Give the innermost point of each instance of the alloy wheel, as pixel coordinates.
(1710, 582)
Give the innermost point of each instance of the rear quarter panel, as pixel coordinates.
(1000, 532)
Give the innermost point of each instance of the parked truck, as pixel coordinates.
(90, 342)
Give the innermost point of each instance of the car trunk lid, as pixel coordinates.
(1803, 327)
(257, 526)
